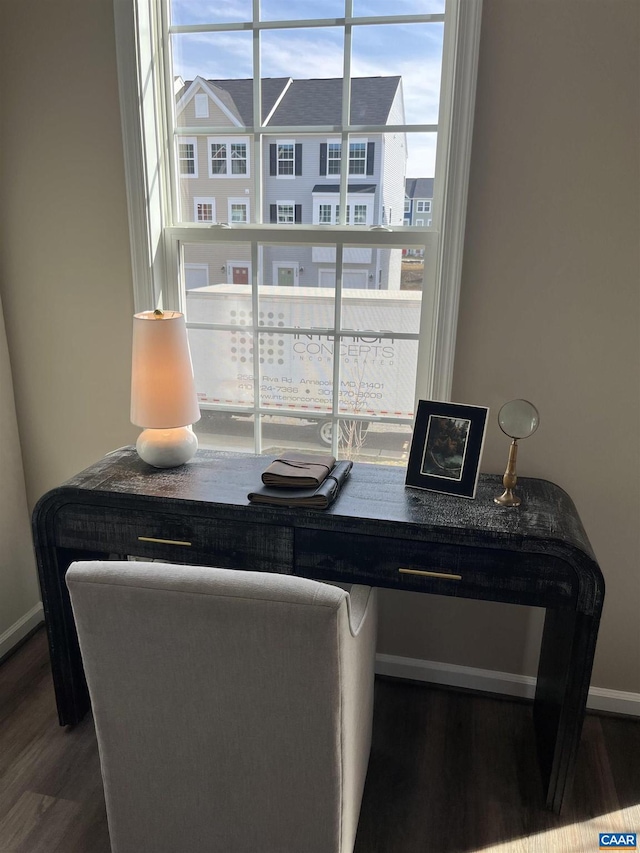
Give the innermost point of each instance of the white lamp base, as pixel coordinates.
(167, 448)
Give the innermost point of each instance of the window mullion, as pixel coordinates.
(337, 322)
(346, 115)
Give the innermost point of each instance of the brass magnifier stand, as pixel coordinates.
(517, 419)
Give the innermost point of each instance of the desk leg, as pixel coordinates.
(564, 673)
(72, 697)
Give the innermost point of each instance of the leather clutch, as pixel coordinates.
(319, 498)
(298, 471)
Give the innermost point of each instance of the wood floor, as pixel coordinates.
(450, 772)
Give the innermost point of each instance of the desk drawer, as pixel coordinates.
(457, 570)
(179, 538)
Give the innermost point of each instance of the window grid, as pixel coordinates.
(356, 160)
(285, 158)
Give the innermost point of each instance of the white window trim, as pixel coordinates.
(280, 204)
(423, 206)
(419, 221)
(142, 81)
(293, 161)
(228, 141)
(204, 200)
(244, 201)
(333, 200)
(188, 140)
(335, 140)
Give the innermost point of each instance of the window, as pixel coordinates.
(424, 207)
(361, 155)
(204, 209)
(341, 351)
(285, 213)
(327, 212)
(407, 222)
(188, 157)
(238, 210)
(228, 158)
(285, 159)
(407, 205)
(419, 221)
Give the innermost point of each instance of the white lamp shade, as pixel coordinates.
(163, 393)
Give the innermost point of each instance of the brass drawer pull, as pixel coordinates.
(163, 541)
(445, 575)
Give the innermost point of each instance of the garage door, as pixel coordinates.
(350, 278)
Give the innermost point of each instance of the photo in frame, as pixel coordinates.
(446, 447)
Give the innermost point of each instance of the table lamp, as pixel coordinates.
(163, 394)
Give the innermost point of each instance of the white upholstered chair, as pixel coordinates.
(233, 709)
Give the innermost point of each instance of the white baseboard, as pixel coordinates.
(488, 680)
(20, 629)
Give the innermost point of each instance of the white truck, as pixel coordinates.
(296, 369)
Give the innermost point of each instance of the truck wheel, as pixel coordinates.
(325, 432)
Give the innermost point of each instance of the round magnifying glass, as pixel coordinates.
(518, 419)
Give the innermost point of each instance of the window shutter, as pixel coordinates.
(370, 152)
(273, 213)
(273, 164)
(298, 213)
(323, 158)
(298, 158)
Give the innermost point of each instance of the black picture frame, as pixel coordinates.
(446, 448)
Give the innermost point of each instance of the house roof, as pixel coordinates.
(351, 188)
(307, 102)
(419, 188)
(319, 101)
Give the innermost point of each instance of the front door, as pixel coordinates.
(286, 276)
(240, 275)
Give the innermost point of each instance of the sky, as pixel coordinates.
(413, 51)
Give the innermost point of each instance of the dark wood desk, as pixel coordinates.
(537, 554)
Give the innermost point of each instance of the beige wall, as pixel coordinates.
(549, 306)
(66, 273)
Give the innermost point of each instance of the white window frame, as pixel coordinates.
(198, 200)
(292, 143)
(290, 204)
(228, 142)
(367, 200)
(407, 205)
(243, 201)
(420, 222)
(155, 229)
(188, 140)
(423, 206)
(353, 141)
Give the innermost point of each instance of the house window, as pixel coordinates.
(324, 214)
(188, 157)
(359, 214)
(204, 209)
(424, 207)
(407, 222)
(285, 159)
(360, 157)
(334, 153)
(357, 158)
(285, 213)
(228, 158)
(407, 205)
(397, 123)
(419, 221)
(238, 210)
